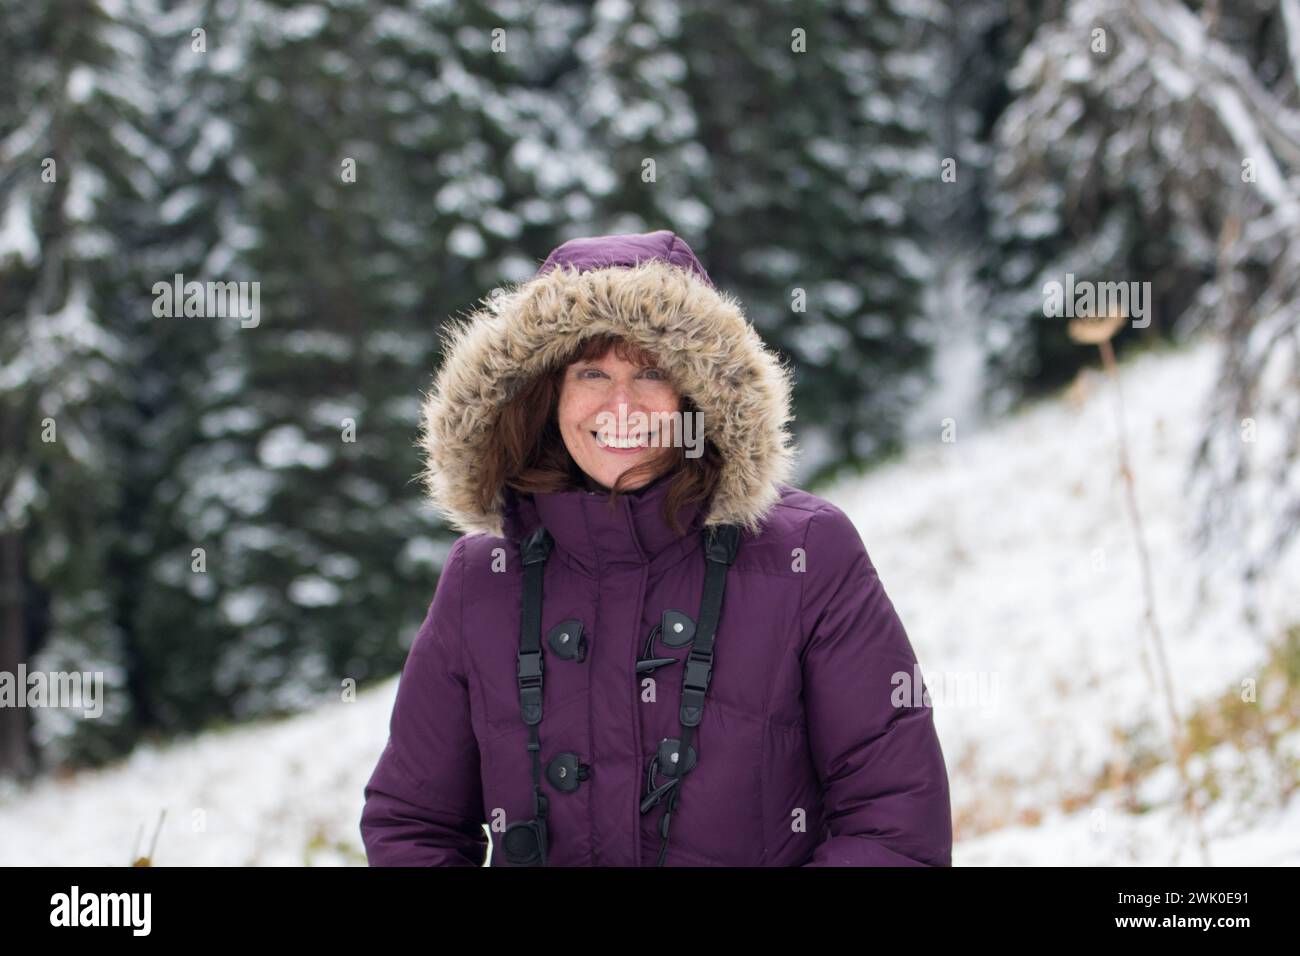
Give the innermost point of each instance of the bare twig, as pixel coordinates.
(1178, 732)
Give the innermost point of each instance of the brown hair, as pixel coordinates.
(529, 454)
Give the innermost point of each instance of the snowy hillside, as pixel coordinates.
(1011, 561)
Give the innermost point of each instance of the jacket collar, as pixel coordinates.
(592, 535)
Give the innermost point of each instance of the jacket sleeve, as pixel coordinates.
(423, 802)
(877, 755)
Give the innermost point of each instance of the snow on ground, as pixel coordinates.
(272, 793)
(1011, 560)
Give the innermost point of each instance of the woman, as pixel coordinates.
(636, 582)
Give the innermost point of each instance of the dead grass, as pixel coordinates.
(1235, 750)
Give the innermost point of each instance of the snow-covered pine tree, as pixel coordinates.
(76, 167)
(974, 44)
(190, 366)
(384, 159)
(1099, 174)
(785, 144)
(1170, 154)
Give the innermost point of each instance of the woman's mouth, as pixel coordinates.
(620, 446)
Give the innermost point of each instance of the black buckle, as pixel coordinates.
(530, 686)
(530, 670)
(699, 671)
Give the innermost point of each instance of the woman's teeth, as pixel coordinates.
(612, 442)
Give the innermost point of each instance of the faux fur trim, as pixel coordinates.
(699, 335)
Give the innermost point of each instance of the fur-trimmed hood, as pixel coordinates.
(651, 290)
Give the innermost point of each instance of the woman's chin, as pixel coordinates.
(605, 481)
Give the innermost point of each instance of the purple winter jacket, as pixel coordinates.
(815, 747)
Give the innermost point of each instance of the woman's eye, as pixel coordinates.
(656, 374)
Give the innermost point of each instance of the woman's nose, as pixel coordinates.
(623, 394)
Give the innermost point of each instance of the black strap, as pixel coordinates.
(720, 545)
(535, 549)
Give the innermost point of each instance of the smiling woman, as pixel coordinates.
(714, 630)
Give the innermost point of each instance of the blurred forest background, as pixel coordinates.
(912, 171)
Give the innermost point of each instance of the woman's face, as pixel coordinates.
(591, 393)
